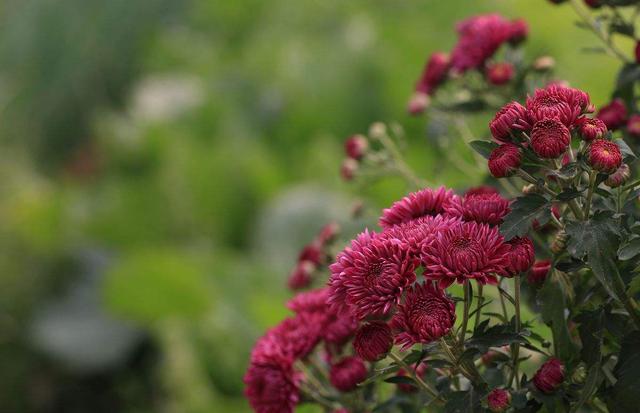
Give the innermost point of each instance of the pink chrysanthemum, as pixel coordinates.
(479, 38)
(346, 374)
(271, 387)
(434, 73)
(591, 128)
(604, 156)
(549, 376)
(482, 208)
(309, 301)
(413, 233)
(300, 277)
(417, 204)
(466, 251)
(614, 115)
(550, 138)
(369, 277)
(505, 160)
(498, 400)
(373, 341)
(633, 126)
(521, 256)
(338, 328)
(502, 125)
(298, 336)
(558, 102)
(481, 190)
(425, 315)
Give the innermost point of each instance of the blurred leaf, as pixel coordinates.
(484, 148)
(523, 211)
(624, 394)
(552, 298)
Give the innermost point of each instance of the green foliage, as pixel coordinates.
(524, 210)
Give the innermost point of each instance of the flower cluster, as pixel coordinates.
(479, 38)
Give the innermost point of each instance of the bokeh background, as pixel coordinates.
(162, 161)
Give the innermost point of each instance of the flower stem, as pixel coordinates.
(415, 376)
(465, 315)
(502, 304)
(479, 306)
(398, 162)
(595, 28)
(631, 185)
(592, 184)
(515, 347)
(629, 303)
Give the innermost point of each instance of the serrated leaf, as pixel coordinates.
(598, 234)
(484, 148)
(523, 211)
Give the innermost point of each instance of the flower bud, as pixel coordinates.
(604, 156)
(499, 400)
(518, 31)
(559, 242)
(349, 169)
(502, 124)
(633, 126)
(505, 160)
(521, 256)
(579, 374)
(418, 103)
(377, 130)
(549, 376)
(550, 138)
(346, 374)
(356, 146)
(328, 233)
(530, 189)
(591, 128)
(538, 273)
(614, 115)
(544, 63)
(594, 4)
(619, 177)
(499, 73)
(373, 341)
(301, 275)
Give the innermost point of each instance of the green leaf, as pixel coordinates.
(568, 194)
(523, 211)
(401, 380)
(484, 148)
(627, 152)
(591, 334)
(624, 394)
(496, 336)
(630, 248)
(594, 377)
(568, 171)
(552, 298)
(463, 402)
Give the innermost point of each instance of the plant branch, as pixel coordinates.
(592, 184)
(465, 315)
(426, 387)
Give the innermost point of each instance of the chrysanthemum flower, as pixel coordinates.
(498, 400)
(309, 301)
(499, 73)
(369, 277)
(479, 38)
(271, 387)
(482, 208)
(549, 376)
(502, 125)
(425, 315)
(373, 341)
(481, 190)
(346, 374)
(434, 73)
(519, 31)
(614, 115)
(521, 255)
(558, 102)
(550, 138)
(619, 177)
(591, 128)
(505, 160)
(538, 273)
(355, 146)
(466, 251)
(413, 233)
(415, 205)
(604, 156)
(298, 336)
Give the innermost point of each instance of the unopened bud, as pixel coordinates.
(544, 63)
(418, 103)
(377, 130)
(619, 177)
(356, 146)
(349, 169)
(559, 242)
(579, 374)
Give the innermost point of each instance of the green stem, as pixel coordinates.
(502, 304)
(592, 184)
(595, 28)
(465, 315)
(631, 185)
(398, 162)
(479, 306)
(515, 347)
(415, 376)
(628, 302)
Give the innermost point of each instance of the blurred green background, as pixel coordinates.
(162, 161)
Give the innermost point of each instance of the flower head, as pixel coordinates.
(521, 256)
(614, 115)
(505, 160)
(425, 315)
(591, 128)
(550, 138)
(417, 204)
(309, 301)
(549, 376)
(373, 341)
(499, 400)
(479, 38)
(519, 31)
(619, 177)
(300, 277)
(604, 156)
(502, 125)
(418, 102)
(346, 374)
(481, 190)
(558, 102)
(465, 251)
(482, 208)
(434, 73)
(413, 233)
(271, 387)
(499, 73)
(356, 146)
(538, 272)
(368, 278)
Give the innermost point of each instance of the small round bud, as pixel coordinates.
(619, 177)
(346, 374)
(499, 73)
(518, 31)
(633, 126)
(356, 146)
(538, 273)
(550, 138)
(579, 374)
(349, 169)
(505, 160)
(604, 156)
(591, 128)
(499, 400)
(418, 103)
(544, 63)
(373, 341)
(549, 376)
(521, 256)
(328, 233)
(377, 130)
